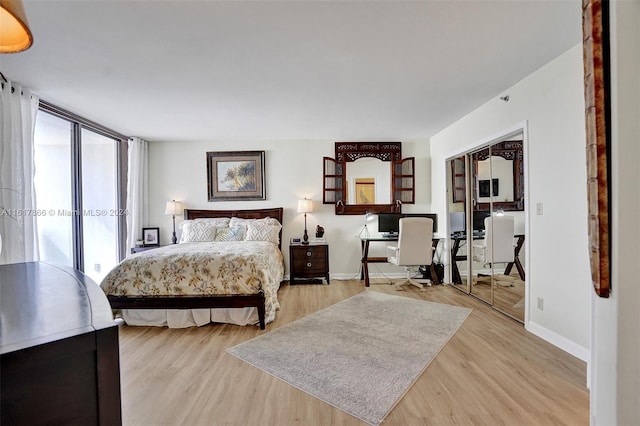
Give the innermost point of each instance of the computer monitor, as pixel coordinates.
(389, 223)
(478, 220)
(457, 222)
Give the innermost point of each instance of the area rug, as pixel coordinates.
(360, 355)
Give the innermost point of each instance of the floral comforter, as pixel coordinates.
(202, 268)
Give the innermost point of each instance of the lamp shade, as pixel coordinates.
(15, 35)
(173, 208)
(305, 206)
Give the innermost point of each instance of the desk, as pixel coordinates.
(458, 238)
(366, 259)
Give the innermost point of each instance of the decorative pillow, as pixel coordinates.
(236, 221)
(218, 221)
(196, 231)
(230, 233)
(263, 231)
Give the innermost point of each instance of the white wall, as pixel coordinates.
(177, 170)
(615, 393)
(550, 103)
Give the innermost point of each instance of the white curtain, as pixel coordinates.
(137, 190)
(18, 214)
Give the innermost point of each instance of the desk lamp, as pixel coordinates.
(364, 232)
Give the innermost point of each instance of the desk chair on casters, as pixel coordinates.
(498, 245)
(414, 247)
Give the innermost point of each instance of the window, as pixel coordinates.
(80, 188)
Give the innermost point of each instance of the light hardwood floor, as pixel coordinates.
(492, 372)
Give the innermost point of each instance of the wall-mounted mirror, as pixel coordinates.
(368, 177)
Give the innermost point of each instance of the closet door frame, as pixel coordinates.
(519, 129)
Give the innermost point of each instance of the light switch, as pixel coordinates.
(539, 209)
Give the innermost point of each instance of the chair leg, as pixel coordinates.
(410, 281)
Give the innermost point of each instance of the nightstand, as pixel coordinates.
(141, 249)
(308, 261)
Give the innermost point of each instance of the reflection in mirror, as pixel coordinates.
(368, 181)
(481, 268)
(498, 176)
(495, 179)
(488, 183)
(456, 203)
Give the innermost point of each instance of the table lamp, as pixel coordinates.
(305, 206)
(173, 208)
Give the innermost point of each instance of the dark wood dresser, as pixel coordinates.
(308, 261)
(59, 354)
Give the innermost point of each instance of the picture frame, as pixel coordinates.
(488, 188)
(151, 237)
(235, 175)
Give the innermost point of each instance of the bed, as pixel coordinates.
(218, 269)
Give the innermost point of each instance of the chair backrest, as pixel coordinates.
(499, 239)
(414, 241)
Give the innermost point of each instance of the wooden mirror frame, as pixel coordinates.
(402, 176)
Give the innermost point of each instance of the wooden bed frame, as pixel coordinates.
(196, 302)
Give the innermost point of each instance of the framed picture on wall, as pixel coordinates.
(151, 237)
(235, 175)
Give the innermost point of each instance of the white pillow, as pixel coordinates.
(236, 221)
(197, 231)
(230, 233)
(260, 230)
(218, 221)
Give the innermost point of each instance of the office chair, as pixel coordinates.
(497, 245)
(414, 247)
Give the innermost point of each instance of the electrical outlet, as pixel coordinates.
(539, 209)
(541, 303)
(96, 267)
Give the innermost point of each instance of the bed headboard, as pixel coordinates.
(275, 213)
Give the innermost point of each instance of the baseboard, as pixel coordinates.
(561, 342)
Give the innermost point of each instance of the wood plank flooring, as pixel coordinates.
(492, 372)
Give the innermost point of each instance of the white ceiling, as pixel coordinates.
(285, 70)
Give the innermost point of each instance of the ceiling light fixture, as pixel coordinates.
(15, 35)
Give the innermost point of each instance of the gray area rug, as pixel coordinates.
(360, 355)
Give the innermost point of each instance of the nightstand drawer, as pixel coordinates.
(309, 265)
(309, 251)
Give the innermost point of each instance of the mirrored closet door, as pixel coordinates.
(485, 190)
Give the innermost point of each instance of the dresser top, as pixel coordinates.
(42, 302)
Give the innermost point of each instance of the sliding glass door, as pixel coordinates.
(52, 180)
(79, 189)
(99, 204)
